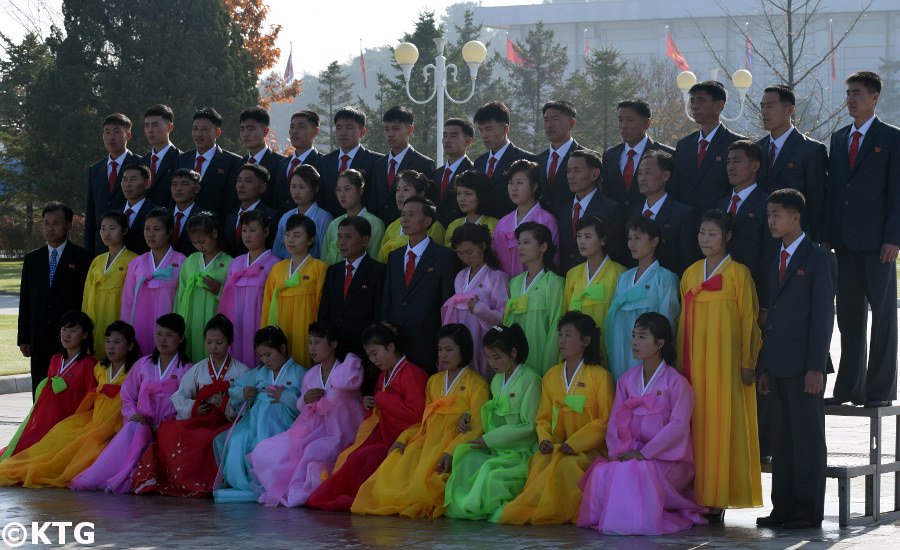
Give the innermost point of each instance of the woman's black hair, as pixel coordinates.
(586, 327)
(647, 226)
(420, 182)
(127, 331)
(206, 223)
(507, 340)
(542, 234)
(329, 331)
(303, 222)
(78, 318)
(478, 182)
(259, 217)
(272, 337)
(174, 322)
(221, 323)
(661, 329)
(383, 333)
(460, 335)
(355, 177)
(163, 214)
(600, 228)
(724, 221)
(479, 235)
(117, 216)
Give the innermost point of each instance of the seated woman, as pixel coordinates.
(646, 487)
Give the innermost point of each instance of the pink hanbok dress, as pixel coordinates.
(290, 465)
(491, 287)
(653, 496)
(147, 390)
(149, 293)
(241, 301)
(505, 242)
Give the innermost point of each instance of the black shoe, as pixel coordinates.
(801, 524)
(716, 515)
(765, 459)
(872, 404)
(769, 521)
(836, 401)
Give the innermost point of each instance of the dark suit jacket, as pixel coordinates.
(234, 245)
(185, 246)
(605, 208)
(41, 305)
(802, 164)
(160, 190)
(381, 201)
(282, 185)
(701, 189)
(614, 184)
(134, 239)
(363, 160)
(559, 196)
(751, 243)
(361, 308)
(500, 204)
(99, 200)
(447, 207)
(272, 162)
(797, 333)
(217, 192)
(417, 308)
(678, 231)
(865, 201)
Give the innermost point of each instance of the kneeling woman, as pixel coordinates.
(646, 487)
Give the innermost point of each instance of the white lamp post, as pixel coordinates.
(741, 79)
(406, 55)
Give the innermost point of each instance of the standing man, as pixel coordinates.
(254, 127)
(864, 228)
(250, 187)
(792, 159)
(135, 180)
(302, 133)
(457, 137)
(620, 162)
(163, 156)
(52, 284)
(559, 121)
(216, 166)
(700, 176)
(185, 188)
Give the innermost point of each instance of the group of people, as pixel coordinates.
(616, 340)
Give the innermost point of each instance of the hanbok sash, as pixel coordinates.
(164, 273)
(229, 294)
(461, 300)
(209, 390)
(628, 297)
(572, 402)
(713, 284)
(445, 405)
(110, 390)
(195, 281)
(153, 388)
(591, 295)
(292, 282)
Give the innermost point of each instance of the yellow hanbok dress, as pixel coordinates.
(490, 222)
(291, 302)
(394, 238)
(102, 300)
(592, 296)
(717, 337)
(74, 443)
(408, 483)
(575, 412)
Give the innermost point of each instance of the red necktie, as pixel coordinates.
(112, 175)
(345, 163)
(576, 215)
(702, 153)
(854, 149)
(294, 163)
(628, 172)
(392, 174)
(491, 163)
(348, 278)
(648, 213)
(198, 166)
(154, 160)
(773, 151)
(445, 182)
(783, 266)
(732, 209)
(237, 228)
(129, 212)
(251, 160)
(551, 172)
(176, 234)
(410, 266)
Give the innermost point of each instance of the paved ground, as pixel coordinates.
(9, 304)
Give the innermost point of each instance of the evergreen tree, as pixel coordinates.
(334, 92)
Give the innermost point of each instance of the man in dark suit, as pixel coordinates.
(700, 179)
(584, 178)
(135, 179)
(793, 159)
(399, 125)
(254, 127)
(793, 362)
(185, 187)
(251, 185)
(215, 165)
(559, 121)
(419, 280)
(864, 228)
(104, 191)
(349, 130)
(620, 162)
(302, 133)
(457, 137)
(354, 290)
(492, 120)
(52, 284)
(163, 156)
(677, 222)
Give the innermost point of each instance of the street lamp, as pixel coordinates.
(406, 55)
(741, 79)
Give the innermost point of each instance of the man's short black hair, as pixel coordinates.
(495, 111)
(56, 206)
(399, 113)
(713, 88)
(870, 80)
(639, 106)
(789, 198)
(564, 107)
(785, 93)
(257, 114)
(352, 113)
(209, 114)
(463, 124)
(752, 150)
(161, 110)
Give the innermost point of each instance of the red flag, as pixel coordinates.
(749, 56)
(831, 39)
(675, 54)
(512, 53)
(362, 66)
(289, 68)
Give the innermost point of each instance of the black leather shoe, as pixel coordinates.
(769, 521)
(872, 404)
(801, 524)
(836, 401)
(716, 515)
(766, 459)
